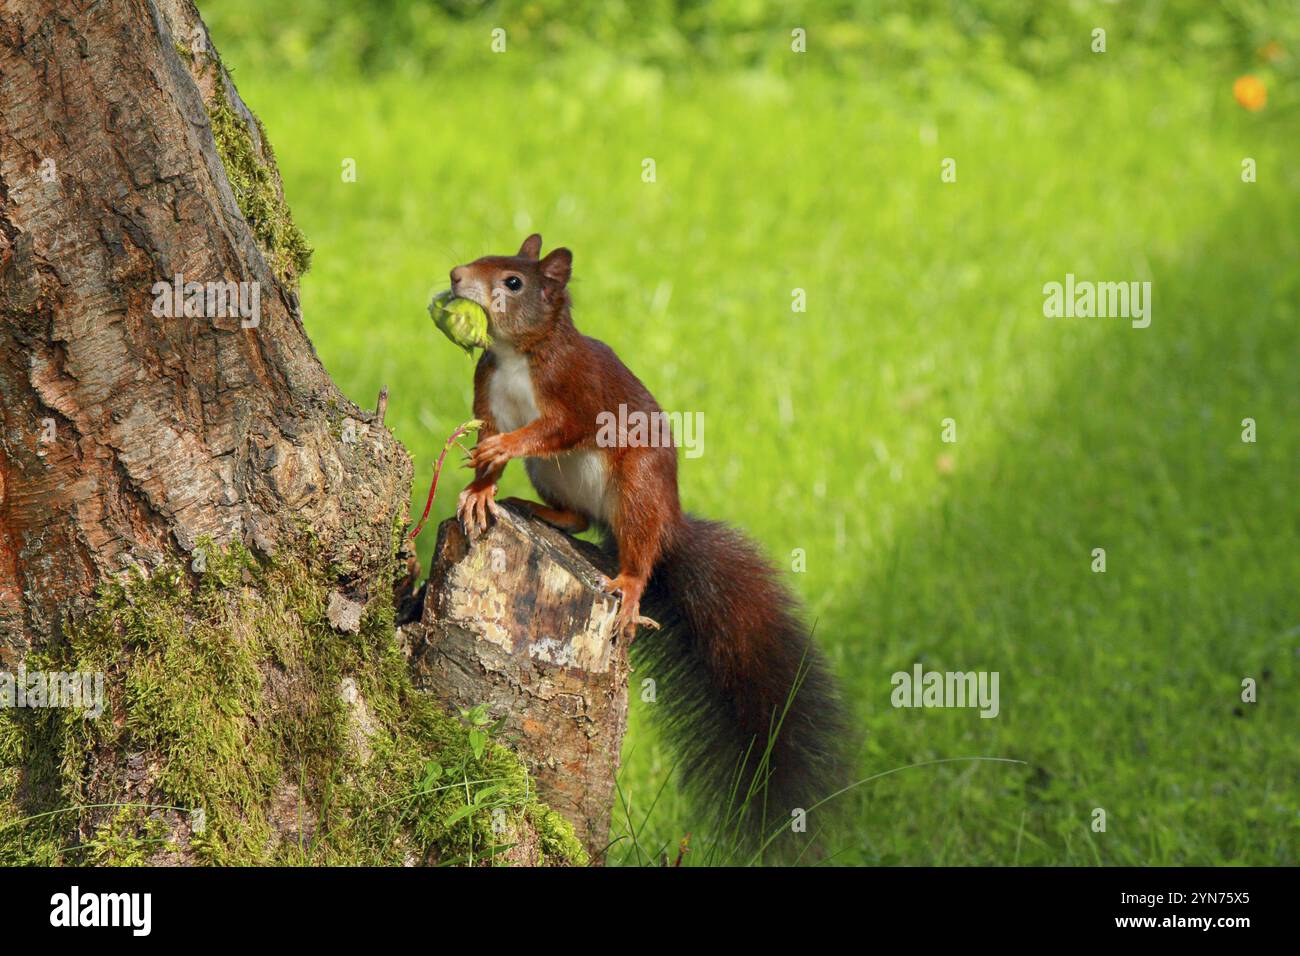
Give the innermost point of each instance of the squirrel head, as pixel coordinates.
(524, 296)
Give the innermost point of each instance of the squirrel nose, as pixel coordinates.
(456, 275)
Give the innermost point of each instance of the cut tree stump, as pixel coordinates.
(515, 619)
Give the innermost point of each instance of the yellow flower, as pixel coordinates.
(1250, 93)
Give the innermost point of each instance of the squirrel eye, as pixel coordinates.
(514, 283)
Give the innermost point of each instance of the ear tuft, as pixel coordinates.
(532, 246)
(558, 265)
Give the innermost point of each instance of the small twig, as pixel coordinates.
(381, 407)
(472, 425)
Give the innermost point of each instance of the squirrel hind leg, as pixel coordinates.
(571, 521)
(629, 587)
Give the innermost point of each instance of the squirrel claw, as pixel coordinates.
(625, 624)
(629, 615)
(475, 507)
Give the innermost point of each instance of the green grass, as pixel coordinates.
(1119, 690)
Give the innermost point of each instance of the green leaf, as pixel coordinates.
(477, 742)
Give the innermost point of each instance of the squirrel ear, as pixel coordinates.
(558, 265)
(532, 246)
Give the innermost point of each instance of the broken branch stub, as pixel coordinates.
(515, 619)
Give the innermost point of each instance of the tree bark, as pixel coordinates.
(127, 435)
(131, 437)
(516, 619)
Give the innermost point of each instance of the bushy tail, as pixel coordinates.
(741, 693)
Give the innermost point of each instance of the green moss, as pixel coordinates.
(255, 187)
(242, 702)
(11, 761)
(558, 841)
(11, 740)
(30, 759)
(126, 840)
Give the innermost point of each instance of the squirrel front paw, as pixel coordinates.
(474, 505)
(491, 453)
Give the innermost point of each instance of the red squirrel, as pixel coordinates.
(744, 696)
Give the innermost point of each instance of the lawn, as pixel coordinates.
(1119, 690)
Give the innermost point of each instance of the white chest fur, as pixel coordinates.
(578, 479)
(510, 390)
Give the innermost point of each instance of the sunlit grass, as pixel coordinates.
(1121, 691)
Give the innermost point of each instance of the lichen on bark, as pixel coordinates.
(241, 728)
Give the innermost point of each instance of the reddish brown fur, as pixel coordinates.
(575, 378)
(733, 650)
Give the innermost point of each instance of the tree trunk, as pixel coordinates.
(145, 426)
(127, 434)
(517, 620)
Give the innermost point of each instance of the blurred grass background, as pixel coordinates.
(821, 171)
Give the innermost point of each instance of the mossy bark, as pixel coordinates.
(241, 727)
(189, 506)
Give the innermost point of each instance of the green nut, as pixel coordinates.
(461, 320)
